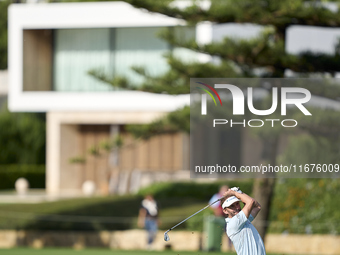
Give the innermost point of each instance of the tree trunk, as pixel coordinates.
(263, 188)
(263, 191)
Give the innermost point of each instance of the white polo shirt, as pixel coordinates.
(246, 239)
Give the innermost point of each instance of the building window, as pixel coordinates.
(59, 60)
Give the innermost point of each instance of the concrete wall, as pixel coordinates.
(179, 241)
(303, 244)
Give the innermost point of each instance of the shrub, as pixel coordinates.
(202, 191)
(306, 206)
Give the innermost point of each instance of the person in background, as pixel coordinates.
(148, 218)
(217, 209)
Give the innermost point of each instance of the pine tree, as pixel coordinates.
(241, 58)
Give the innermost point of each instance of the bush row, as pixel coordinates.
(35, 174)
(202, 191)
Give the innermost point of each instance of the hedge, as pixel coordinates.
(35, 174)
(202, 191)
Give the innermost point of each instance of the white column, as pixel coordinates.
(52, 154)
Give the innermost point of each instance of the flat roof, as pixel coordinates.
(85, 15)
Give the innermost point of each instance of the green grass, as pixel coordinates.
(51, 251)
(97, 213)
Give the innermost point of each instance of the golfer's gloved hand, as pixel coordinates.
(237, 189)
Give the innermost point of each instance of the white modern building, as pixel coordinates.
(52, 47)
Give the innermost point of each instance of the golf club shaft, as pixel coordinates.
(195, 214)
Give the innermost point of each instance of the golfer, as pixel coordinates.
(242, 233)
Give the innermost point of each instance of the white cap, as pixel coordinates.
(230, 201)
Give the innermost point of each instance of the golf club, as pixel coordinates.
(166, 236)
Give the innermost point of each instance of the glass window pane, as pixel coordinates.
(139, 47)
(76, 52)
